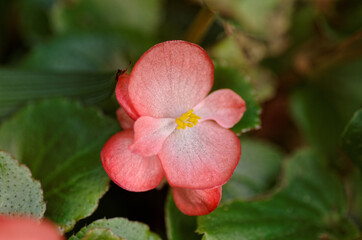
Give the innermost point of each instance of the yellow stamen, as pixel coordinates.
(194, 121)
(191, 120)
(178, 121)
(193, 115)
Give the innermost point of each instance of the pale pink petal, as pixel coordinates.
(201, 157)
(128, 170)
(224, 106)
(124, 119)
(170, 78)
(25, 228)
(123, 97)
(197, 202)
(150, 133)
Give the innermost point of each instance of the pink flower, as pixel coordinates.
(179, 131)
(137, 173)
(25, 228)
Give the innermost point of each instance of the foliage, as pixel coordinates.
(71, 176)
(311, 205)
(20, 193)
(116, 227)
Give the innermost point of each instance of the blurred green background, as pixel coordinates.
(303, 59)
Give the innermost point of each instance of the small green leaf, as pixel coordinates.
(352, 138)
(60, 141)
(231, 78)
(179, 226)
(100, 234)
(18, 87)
(20, 194)
(256, 172)
(120, 227)
(312, 205)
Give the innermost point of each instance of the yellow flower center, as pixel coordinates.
(188, 119)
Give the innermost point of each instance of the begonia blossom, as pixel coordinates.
(26, 228)
(189, 201)
(121, 165)
(179, 130)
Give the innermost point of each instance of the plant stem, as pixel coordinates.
(200, 26)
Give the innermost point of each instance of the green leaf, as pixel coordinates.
(100, 234)
(231, 78)
(256, 172)
(18, 87)
(120, 227)
(20, 194)
(322, 107)
(60, 141)
(312, 205)
(179, 226)
(79, 53)
(352, 138)
(107, 15)
(130, 23)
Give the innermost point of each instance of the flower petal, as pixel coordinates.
(170, 78)
(128, 170)
(150, 133)
(124, 119)
(196, 202)
(201, 157)
(122, 96)
(25, 228)
(224, 106)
